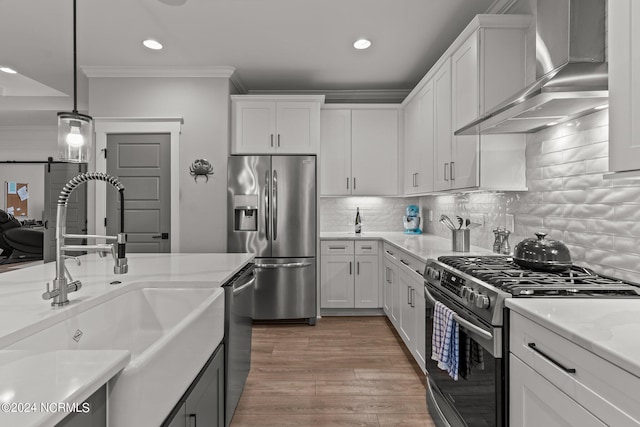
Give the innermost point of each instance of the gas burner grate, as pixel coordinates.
(504, 274)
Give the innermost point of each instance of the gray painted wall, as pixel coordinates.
(204, 104)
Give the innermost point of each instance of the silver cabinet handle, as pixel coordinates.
(446, 166)
(271, 136)
(386, 274)
(389, 252)
(275, 204)
(347, 183)
(350, 268)
(354, 183)
(366, 247)
(409, 295)
(452, 174)
(358, 268)
(413, 292)
(278, 140)
(404, 262)
(193, 422)
(266, 201)
(337, 247)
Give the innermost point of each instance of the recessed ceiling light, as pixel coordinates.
(602, 107)
(362, 44)
(152, 44)
(8, 70)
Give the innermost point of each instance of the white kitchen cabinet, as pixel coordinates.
(419, 141)
(275, 125)
(624, 86)
(555, 382)
(484, 66)
(536, 402)
(349, 274)
(359, 152)
(391, 285)
(412, 305)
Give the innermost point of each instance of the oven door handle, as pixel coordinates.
(461, 321)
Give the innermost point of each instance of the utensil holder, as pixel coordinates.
(461, 240)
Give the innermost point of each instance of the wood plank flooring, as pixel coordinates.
(345, 371)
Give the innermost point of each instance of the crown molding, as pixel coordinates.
(165, 71)
(373, 96)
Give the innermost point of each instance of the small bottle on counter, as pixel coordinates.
(497, 244)
(358, 221)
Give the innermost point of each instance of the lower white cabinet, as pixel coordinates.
(203, 403)
(555, 382)
(349, 274)
(536, 402)
(391, 303)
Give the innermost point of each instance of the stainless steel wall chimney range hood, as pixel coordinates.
(571, 71)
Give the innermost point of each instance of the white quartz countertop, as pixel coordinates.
(608, 328)
(423, 246)
(68, 376)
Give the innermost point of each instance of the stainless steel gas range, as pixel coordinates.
(475, 288)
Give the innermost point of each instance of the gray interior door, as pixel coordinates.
(293, 206)
(142, 163)
(56, 175)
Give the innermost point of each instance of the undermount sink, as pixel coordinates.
(170, 333)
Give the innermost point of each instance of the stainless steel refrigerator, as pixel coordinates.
(272, 214)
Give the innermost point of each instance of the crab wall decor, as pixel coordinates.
(201, 167)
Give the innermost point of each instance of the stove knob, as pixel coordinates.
(482, 301)
(433, 273)
(471, 296)
(464, 292)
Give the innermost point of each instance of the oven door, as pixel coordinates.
(476, 398)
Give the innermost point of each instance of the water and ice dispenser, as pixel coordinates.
(245, 209)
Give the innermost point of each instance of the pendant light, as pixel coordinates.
(75, 130)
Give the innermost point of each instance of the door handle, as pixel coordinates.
(278, 140)
(271, 140)
(193, 422)
(354, 183)
(347, 183)
(409, 295)
(275, 204)
(163, 236)
(285, 265)
(349, 268)
(413, 300)
(533, 347)
(358, 268)
(266, 201)
(446, 166)
(451, 174)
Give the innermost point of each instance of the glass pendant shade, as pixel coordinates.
(75, 137)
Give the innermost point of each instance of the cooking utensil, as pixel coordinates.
(460, 221)
(446, 221)
(542, 254)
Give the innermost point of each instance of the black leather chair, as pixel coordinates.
(19, 243)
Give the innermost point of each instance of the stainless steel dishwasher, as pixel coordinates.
(238, 293)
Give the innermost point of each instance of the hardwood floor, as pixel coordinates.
(345, 371)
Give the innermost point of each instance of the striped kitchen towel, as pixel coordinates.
(444, 341)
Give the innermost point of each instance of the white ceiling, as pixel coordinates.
(273, 44)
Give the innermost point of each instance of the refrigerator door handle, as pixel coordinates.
(266, 200)
(286, 265)
(275, 204)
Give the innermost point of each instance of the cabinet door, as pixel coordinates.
(205, 403)
(420, 313)
(624, 85)
(335, 152)
(426, 140)
(536, 402)
(442, 127)
(412, 144)
(297, 127)
(254, 127)
(374, 152)
(466, 107)
(337, 279)
(407, 311)
(389, 278)
(366, 282)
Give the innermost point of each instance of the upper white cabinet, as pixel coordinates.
(484, 66)
(275, 124)
(359, 152)
(419, 138)
(624, 85)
